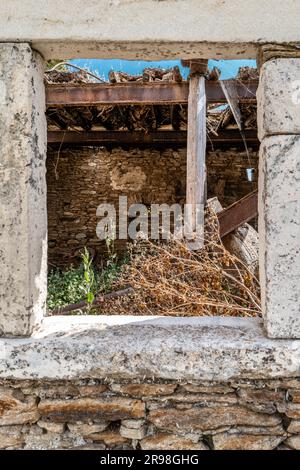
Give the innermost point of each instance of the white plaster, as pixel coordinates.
(128, 28)
(206, 348)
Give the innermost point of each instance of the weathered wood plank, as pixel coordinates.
(196, 151)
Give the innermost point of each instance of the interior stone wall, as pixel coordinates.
(80, 179)
(99, 414)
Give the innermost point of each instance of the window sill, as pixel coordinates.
(206, 348)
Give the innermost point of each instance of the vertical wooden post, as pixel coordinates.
(196, 150)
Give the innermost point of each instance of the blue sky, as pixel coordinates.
(102, 67)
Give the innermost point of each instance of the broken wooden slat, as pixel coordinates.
(94, 94)
(238, 213)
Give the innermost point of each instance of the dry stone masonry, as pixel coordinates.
(79, 180)
(94, 414)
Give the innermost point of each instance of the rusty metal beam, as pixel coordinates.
(163, 137)
(93, 94)
(238, 213)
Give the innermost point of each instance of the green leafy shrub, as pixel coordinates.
(64, 287)
(82, 283)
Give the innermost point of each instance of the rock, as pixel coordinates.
(208, 418)
(85, 430)
(261, 395)
(293, 442)
(133, 423)
(261, 400)
(291, 383)
(127, 179)
(295, 395)
(182, 406)
(90, 447)
(291, 410)
(283, 447)
(294, 426)
(65, 390)
(228, 441)
(10, 436)
(15, 408)
(131, 433)
(92, 390)
(261, 431)
(170, 442)
(51, 427)
(110, 438)
(192, 388)
(89, 409)
(203, 398)
(52, 440)
(283, 384)
(141, 390)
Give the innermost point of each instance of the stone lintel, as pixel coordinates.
(142, 29)
(169, 348)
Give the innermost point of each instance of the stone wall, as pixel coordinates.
(79, 180)
(95, 414)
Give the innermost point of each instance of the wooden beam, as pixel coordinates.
(238, 213)
(196, 151)
(164, 137)
(94, 94)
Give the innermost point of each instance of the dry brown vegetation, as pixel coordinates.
(169, 279)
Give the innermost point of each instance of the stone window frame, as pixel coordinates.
(188, 348)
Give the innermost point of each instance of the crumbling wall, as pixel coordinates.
(96, 414)
(79, 180)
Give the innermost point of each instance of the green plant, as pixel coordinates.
(88, 277)
(68, 287)
(64, 287)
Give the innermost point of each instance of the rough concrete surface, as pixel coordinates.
(160, 347)
(278, 98)
(149, 28)
(279, 229)
(23, 216)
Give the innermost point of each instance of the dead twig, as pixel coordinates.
(100, 299)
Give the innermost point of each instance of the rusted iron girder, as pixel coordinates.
(238, 213)
(93, 94)
(138, 137)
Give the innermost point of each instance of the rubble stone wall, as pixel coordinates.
(100, 414)
(79, 180)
